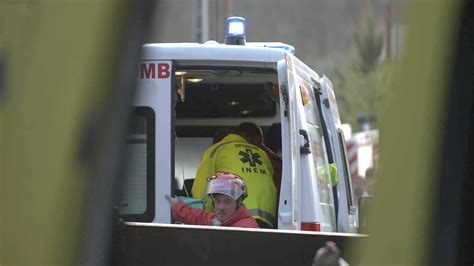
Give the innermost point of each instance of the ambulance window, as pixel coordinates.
(226, 100)
(318, 151)
(310, 105)
(318, 146)
(136, 201)
(215, 93)
(345, 169)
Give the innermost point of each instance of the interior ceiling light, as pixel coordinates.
(194, 80)
(180, 73)
(233, 103)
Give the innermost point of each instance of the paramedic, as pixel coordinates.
(254, 135)
(227, 192)
(235, 154)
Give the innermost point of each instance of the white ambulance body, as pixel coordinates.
(188, 91)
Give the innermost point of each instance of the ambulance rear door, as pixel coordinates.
(330, 112)
(289, 216)
(150, 151)
(306, 198)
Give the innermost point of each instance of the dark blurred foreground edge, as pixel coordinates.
(452, 227)
(178, 245)
(103, 151)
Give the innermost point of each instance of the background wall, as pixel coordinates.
(320, 30)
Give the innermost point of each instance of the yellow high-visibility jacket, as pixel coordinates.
(234, 155)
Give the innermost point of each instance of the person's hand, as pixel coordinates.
(171, 200)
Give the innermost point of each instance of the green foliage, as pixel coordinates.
(361, 85)
(368, 44)
(360, 93)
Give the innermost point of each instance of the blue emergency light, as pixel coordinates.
(235, 31)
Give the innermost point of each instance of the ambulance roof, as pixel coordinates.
(211, 51)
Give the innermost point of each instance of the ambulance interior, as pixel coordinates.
(208, 100)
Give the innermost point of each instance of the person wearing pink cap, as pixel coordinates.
(227, 192)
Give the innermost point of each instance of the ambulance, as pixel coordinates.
(188, 91)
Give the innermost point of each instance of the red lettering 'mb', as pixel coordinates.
(163, 71)
(147, 71)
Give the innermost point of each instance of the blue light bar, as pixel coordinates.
(235, 27)
(235, 31)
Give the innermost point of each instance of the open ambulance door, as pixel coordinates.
(306, 199)
(330, 112)
(289, 216)
(150, 150)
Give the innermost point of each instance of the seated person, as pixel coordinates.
(227, 192)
